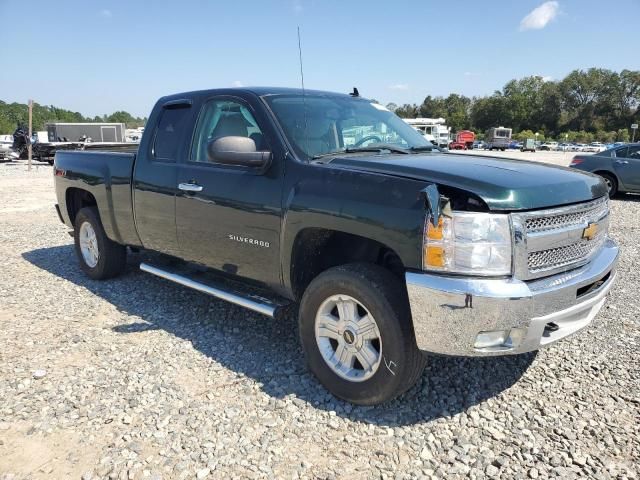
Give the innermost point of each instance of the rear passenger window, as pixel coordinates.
(170, 127)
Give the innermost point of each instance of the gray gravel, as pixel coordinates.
(140, 378)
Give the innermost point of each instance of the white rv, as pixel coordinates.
(433, 129)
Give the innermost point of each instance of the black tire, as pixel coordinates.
(384, 296)
(612, 183)
(112, 256)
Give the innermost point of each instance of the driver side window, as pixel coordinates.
(224, 118)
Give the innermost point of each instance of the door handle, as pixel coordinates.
(622, 162)
(190, 187)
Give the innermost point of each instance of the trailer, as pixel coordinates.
(433, 129)
(81, 132)
(498, 138)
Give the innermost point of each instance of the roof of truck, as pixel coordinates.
(260, 91)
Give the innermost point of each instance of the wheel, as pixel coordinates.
(356, 332)
(100, 258)
(502, 149)
(612, 183)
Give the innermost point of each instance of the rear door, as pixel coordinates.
(155, 177)
(228, 217)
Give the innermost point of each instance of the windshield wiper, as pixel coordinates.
(425, 148)
(379, 148)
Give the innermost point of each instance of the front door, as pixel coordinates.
(228, 217)
(627, 166)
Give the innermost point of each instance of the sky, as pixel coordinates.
(99, 57)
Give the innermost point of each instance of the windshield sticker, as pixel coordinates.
(379, 107)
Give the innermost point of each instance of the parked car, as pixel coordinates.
(6, 150)
(548, 146)
(619, 166)
(479, 145)
(596, 147)
(390, 247)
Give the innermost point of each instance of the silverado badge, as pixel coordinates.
(590, 232)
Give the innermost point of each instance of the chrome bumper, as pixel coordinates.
(449, 312)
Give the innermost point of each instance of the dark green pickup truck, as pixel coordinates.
(390, 247)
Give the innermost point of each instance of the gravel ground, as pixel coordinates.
(139, 378)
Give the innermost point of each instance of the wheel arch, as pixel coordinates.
(77, 199)
(316, 249)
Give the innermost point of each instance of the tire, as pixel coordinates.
(612, 183)
(111, 256)
(378, 294)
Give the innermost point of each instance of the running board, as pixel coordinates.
(251, 302)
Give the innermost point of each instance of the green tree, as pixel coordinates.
(407, 111)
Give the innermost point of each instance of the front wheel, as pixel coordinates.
(100, 258)
(612, 183)
(355, 329)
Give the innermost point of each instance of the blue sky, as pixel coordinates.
(98, 57)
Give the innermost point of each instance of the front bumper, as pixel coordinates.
(449, 312)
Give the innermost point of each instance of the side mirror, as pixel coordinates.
(236, 151)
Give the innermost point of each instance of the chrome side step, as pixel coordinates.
(257, 304)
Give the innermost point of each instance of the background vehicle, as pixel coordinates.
(434, 129)
(80, 132)
(6, 144)
(498, 138)
(529, 145)
(619, 166)
(548, 146)
(390, 247)
(464, 140)
(595, 147)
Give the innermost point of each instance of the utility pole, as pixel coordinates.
(30, 131)
(634, 127)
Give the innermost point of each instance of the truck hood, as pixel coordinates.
(503, 184)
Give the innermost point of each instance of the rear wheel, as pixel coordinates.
(100, 258)
(356, 332)
(612, 183)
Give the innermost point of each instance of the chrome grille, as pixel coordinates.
(562, 256)
(583, 215)
(551, 241)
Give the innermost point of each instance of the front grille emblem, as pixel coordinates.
(590, 232)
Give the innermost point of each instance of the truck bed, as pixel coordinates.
(106, 175)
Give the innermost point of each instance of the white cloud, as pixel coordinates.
(297, 6)
(547, 78)
(106, 13)
(237, 84)
(540, 16)
(399, 86)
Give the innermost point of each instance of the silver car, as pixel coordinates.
(619, 166)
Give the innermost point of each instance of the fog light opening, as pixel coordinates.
(496, 338)
(500, 340)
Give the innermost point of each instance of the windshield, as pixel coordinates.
(322, 125)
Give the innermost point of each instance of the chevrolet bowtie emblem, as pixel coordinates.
(590, 232)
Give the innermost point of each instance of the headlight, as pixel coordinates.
(469, 243)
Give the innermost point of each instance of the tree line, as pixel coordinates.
(587, 105)
(14, 114)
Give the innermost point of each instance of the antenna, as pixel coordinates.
(300, 57)
(304, 102)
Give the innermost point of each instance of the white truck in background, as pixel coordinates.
(433, 129)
